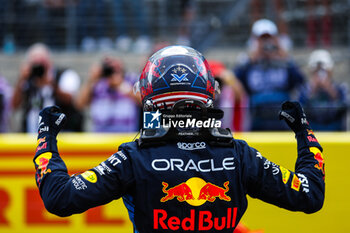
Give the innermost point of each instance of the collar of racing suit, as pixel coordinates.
(162, 136)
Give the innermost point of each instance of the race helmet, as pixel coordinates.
(176, 73)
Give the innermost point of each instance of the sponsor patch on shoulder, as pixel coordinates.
(90, 176)
(295, 183)
(285, 174)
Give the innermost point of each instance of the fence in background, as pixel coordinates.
(206, 23)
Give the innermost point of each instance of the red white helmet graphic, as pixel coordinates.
(175, 73)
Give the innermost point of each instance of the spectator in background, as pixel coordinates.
(275, 9)
(7, 40)
(53, 17)
(231, 97)
(137, 21)
(319, 26)
(113, 105)
(41, 84)
(5, 97)
(269, 76)
(188, 12)
(324, 100)
(92, 25)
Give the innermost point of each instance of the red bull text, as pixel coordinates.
(43, 146)
(202, 220)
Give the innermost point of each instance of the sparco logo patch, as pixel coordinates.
(191, 146)
(59, 120)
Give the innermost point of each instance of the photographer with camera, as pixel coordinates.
(231, 97)
(269, 76)
(40, 84)
(108, 92)
(324, 98)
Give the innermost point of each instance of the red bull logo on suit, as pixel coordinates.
(211, 191)
(182, 192)
(42, 162)
(195, 191)
(318, 156)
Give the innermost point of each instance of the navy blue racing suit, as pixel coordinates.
(183, 186)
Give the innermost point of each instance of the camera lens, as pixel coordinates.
(269, 47)
(107, 70)
(38, 70)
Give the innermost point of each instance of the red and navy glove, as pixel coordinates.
(293, 114)
(51, 121)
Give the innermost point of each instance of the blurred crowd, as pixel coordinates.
(270, 76)
(135, 25)
(251, 92)
(88, 25)
(107, 94)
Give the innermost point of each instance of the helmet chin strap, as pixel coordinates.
(149, 105)
(186, 104)
(198, 110)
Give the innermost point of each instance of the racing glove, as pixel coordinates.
(51, 121)
(293, 114)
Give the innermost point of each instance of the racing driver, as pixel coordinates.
(183, 177)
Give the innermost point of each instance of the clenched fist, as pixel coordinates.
(51, 121)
